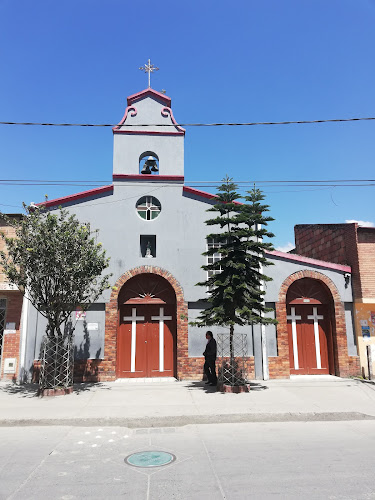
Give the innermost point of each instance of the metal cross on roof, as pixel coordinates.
(149, 68)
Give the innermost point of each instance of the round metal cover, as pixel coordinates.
(150, 459)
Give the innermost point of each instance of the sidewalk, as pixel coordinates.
(172, 403)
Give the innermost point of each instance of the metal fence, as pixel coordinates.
(232, 354)
(57, 362)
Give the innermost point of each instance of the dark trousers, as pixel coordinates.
(210, 370)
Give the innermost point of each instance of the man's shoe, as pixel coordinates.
(208, 382)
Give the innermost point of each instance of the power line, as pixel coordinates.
(101, 181)
(224, 124)
(192, 183)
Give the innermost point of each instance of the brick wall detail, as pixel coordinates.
(11, 341)
(366, 257)
(336, 243)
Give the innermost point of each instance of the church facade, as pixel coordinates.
(153, 228)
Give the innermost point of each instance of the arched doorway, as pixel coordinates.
(146, 335)
(309, 323)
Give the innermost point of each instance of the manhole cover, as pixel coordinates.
(150, 459)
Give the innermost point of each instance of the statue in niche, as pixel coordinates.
(148, 251)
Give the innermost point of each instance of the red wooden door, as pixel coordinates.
(145, 360)
(310, 343)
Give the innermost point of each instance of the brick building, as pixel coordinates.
(10, 316)
(153, 227)
(352, 245)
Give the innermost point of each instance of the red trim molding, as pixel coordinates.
(132, 110)
(147, 177)
(77, 196)
(149, 93)
(314, 262)
(165, 112)
(144, 132)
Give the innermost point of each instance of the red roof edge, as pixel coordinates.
(149, 92)
(197, 192)
(75, 197)
(203, 194)
(308, 260)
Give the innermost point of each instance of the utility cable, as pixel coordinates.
(224, 124)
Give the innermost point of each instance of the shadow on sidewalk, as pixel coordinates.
(209, 389)
(31, 390)
(23, 390)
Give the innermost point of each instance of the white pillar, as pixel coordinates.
(23, 339)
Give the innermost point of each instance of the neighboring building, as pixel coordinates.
(10, 316)
(352, 245)
(153, 228)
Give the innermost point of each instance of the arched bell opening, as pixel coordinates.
(147, 328)
(149, 163)
(311, 327)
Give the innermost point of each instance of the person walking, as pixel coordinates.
(210, 359)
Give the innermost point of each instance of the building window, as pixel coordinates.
(148, 246)
(148, 207)
(215, 257)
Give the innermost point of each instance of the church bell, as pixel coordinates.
(149, 166)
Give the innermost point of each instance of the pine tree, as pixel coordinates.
(235, 287)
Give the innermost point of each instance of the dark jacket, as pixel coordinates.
(210, 351)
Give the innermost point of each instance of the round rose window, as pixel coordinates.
(148, 207)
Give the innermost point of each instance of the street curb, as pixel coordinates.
(179, 421)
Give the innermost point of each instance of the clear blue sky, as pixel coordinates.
(77, 60)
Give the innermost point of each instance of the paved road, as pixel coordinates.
(289, 460)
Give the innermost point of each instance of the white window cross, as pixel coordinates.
(314, 316)
(161, 318)
(133, 318)
(293, 318)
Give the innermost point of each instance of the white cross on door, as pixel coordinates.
(316, 318)
(293, 318)
(133, 318)
(161, 318)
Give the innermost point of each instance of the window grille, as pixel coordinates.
(215, 257)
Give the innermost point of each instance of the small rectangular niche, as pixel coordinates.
(148, 246)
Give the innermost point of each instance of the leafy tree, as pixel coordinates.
(234, 288)
(57, 262)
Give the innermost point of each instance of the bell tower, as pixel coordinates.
(148, 142)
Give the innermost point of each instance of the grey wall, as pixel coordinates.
(89, 344)
(283, 267)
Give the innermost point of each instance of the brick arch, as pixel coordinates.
(108, 365)
(345, 365)
(313, 275)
